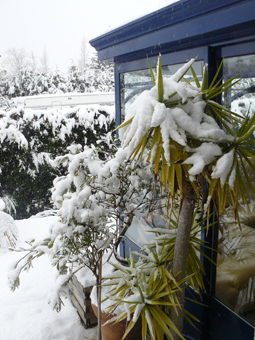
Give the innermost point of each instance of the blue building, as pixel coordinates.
(209, 30)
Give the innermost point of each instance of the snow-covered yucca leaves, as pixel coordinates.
(144, 288)
(179, 124)
(147, 288)
(230, 173)
(167, 237)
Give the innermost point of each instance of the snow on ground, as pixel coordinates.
(25, 313)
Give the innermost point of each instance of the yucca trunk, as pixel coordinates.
(181, 252)
(99, 285)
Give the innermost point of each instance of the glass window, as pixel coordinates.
(241, 97)
(235, 279)
(131, 85)
(140, 230)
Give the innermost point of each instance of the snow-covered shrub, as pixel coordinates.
(31, 139)
(6, 103)
(91, 198)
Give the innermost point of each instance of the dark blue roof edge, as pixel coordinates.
(99, 41)
(167, 16)
(216, 27)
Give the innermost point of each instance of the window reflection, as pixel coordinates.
(241, 97)
(235, 284)
(235, 279)
(140, 230)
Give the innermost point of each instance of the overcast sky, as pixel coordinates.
(58, 26)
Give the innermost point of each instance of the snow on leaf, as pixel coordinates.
(223, 167)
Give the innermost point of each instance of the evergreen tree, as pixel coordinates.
(4, 83)
(100, 75)
(75, 80)
(58, 83)
(28, 81)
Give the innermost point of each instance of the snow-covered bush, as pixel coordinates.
(92, 198)
(6, 103)
(31, 139)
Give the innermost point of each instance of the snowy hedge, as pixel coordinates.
(31, 139)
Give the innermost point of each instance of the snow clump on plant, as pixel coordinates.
(181, 118)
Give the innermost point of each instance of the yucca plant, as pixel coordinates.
(148, 286)
(190, 140)
(148, 290)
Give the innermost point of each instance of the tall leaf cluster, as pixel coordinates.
(190, 137)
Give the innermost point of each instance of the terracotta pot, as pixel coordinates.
(116, 332)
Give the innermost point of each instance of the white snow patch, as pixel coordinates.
(25, 313)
